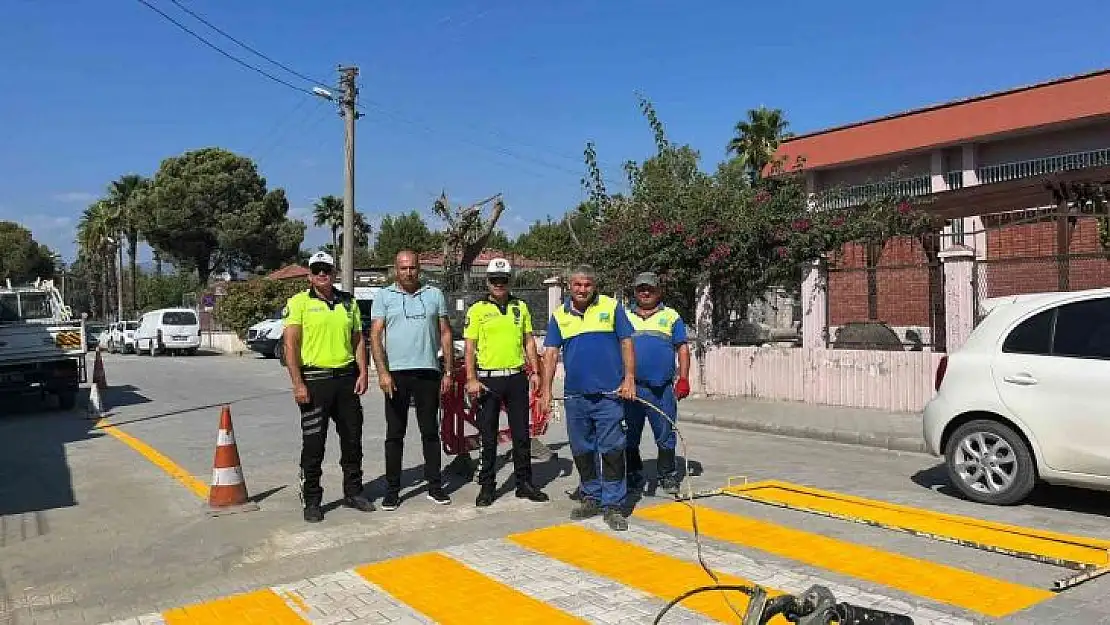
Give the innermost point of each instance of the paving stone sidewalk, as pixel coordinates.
(899, 431)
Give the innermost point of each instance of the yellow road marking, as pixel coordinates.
(632, 565)
(199, 488)
(448, 591)
(260, 606)
(971, 591)
(1014, 538)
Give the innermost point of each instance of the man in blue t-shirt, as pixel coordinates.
(659, 333)
(599, 365)
(409, 328)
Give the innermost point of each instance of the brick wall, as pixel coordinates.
(902, 281)
(1021, 259)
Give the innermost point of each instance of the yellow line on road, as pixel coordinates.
(971, 591)
(448, 591)
(656, 574)
(260, 606)
(1013, 538)
(199, 488)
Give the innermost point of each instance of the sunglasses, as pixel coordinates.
(320, 269)
(499, 281)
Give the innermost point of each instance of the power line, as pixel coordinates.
(247, 47)
(380, 108)
(224, 52)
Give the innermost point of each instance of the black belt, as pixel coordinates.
(322, 373)
(499, 373)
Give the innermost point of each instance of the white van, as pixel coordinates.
(175, 330)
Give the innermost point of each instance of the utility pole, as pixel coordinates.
(348, 100)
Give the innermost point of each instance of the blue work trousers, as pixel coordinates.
(596, 431)
(635, 413)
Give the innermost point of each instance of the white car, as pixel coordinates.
(1025, 399)
(121, 337)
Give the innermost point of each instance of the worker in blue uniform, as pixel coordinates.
(595, 337)
(659, 334)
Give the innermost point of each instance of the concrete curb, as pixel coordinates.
(863, 439)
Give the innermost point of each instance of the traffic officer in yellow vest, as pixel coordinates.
(498, 335)
(658, 333)
(595, 337)
(325, 352)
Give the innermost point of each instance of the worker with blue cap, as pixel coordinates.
(659, 335)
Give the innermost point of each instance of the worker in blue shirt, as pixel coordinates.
(659, 333)
(595, 338)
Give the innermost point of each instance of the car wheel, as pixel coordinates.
(279, 353)
(989, 463)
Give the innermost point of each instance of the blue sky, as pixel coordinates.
(475, 96)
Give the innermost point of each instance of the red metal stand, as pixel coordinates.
(458, 412)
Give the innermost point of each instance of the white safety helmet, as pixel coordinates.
(499, 267)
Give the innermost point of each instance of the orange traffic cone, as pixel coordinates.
(99, 378)
(228, 493)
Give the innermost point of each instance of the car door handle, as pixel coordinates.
(1021, 379)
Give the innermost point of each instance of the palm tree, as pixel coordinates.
(758, 138)
(98, 233)
(328, 213)
(125, 196)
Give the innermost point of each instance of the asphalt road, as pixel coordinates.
(92, 530)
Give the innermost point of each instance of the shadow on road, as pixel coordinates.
(181, 411)
(123, 395)
(1064, 498)
(34, 473)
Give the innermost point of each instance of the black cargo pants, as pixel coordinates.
(331, 394)
(513, 390)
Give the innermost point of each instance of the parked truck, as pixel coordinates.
(42, 347)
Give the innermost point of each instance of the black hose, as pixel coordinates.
(748, 590)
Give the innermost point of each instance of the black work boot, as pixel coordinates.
(669, 484)
(615, 519)
(485, 497)
(531, 493)
(586, 509)
(358, 502)
(313, 513)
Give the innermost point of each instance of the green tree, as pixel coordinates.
(719, 229)
(98, 233)
(126, 197)
(396, 233)
(251, 301)
(327, 212)
(500, 241)
(164, 291)
(22, 259)
(209, 209)
(556, 241)
(758, 138)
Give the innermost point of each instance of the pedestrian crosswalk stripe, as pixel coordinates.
(446, 590)
(583, 572)
(260, 606)
(788, 580)
(1076, 550)
(656, 574)
(344, 597)
(946, 584)
(578, 592)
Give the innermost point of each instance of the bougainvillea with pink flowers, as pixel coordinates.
(722, 229)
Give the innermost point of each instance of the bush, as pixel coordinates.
(249, 302)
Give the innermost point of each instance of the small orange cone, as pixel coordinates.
(228, 493)
(99, 378)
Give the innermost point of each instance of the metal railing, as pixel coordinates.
(1002, 172)
(855, 195)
